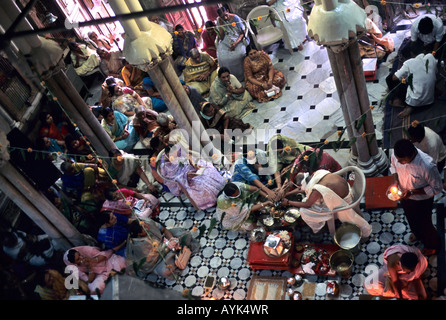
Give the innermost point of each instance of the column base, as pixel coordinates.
(373, 167)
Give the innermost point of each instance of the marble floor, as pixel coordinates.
(308, 111)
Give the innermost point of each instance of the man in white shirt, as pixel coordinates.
(427, 32)
(416, 175)
(418, 87)
(429, 142)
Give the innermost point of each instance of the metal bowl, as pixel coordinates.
(291, 215)
(224, 283)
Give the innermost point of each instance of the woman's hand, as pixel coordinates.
(270, 84)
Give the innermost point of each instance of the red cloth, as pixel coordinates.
(209, 44)
(54, 132)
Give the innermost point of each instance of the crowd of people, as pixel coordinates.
(116, 200)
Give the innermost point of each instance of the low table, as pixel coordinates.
(258, 259)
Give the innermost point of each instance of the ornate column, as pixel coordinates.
(336, 24)
(148, 46)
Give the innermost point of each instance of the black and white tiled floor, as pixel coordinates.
(223, 254)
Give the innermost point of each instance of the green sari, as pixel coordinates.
(234, 213)
(237, 105)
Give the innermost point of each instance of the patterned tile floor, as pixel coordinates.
(223, 254)
(308, 111)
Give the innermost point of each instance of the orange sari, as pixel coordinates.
(259, 70)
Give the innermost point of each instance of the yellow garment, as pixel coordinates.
(192, 70)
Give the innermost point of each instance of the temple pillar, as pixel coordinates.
(336, 24)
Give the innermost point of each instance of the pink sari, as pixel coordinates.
(101, 269)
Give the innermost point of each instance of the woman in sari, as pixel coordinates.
(229, 94)
(209, 35)
(132, 76)
(262, 81)
(236, 205)
(159, 247)
(50, 129)
(85, 61)
(126, 202)
(119, 128)
(94, 266)
(145, 124)
(282, 152)
(312, 160)
(184, 173)
(183, 41)
(123, 166)
(126, 100)
(291, 12)
(216, 118)
(114, 230)
(231, 47)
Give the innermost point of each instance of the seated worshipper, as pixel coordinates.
(50, 144)
(282, 151)
(194, 96)
(94, 266)
(79, 178)
(84, 60)
(312, 160)
(126, 100)
(125, 167)
(50, 129)
(51, 286)
(248, 170)
(126, 202)
(183, 42)
(428, 141)
(262, 81)
(325, 191)
(119, 128)
(166, 124)
(145, 123)
(182, 173)
(114, 230)
(200, 71)
(214, 117)
(236, 206)
(78, 149)
(158, 103)
(231, 47)
(106, 99)
(208, 36)
(35, 250)
(99, 41)
(372, 44)
(400, 277)
(421, 91)
(230, 95)
(132, 76)
(426, 36)
(160, 248)
(291, 13)
(111, 61)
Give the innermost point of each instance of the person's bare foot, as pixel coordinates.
(406, 112)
